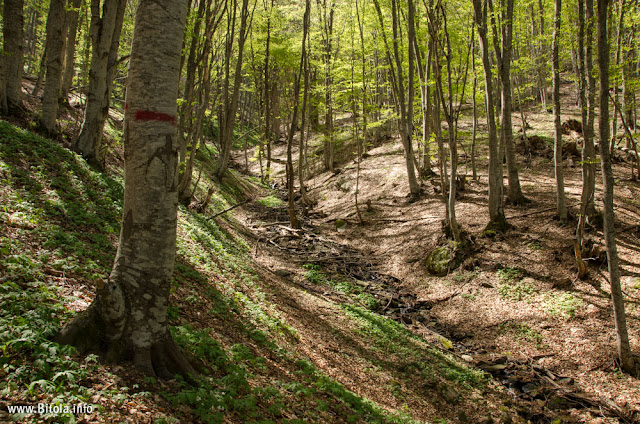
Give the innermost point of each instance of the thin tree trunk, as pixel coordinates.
(294, 119)
(231, 106)
(497, 220)
(475, 108)
(447, 106)
(303, 121)
(557, 156)
(587, 207)
(503, 53)
(627, 362)
(406, 121)
(267, 96)
(616, 78)
(327, 42)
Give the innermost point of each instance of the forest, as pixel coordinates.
(319, 211)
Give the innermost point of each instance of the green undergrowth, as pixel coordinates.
(392, 338)
(60, 223)
(354, 291)
(60, 219)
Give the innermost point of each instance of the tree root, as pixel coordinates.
(498, 225)
(164, 359)
(519, 200)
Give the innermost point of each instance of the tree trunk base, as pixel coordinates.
(498, 225)
(163, 359)
(518, 200)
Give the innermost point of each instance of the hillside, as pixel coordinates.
(278, 349)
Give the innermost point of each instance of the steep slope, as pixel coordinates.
(285, 346)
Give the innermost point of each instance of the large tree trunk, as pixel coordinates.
(557, 156)
(128, 318)
(627, 362)
(55, 41)
(12, 56)
(496, 210)
(105, 36)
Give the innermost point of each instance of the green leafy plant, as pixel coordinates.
(563, 304)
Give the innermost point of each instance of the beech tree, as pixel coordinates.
(625, 356)
(231, 94)
(557, 152)
(503, 50)
(53, 54)
(403, 99)
(70, 49)
(128, 317)
(105, 36)
(496, 204)
(12, 55)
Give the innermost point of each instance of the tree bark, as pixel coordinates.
(627, 362)
(128, 318)
(12, 56)
(405, 123)
(327, 36)
(55, 41)
(105, 36)
(587, 206)
(231, 105)
(497, 220)
(561, 204)
(67, 78)
(294, 120)
(504, 53)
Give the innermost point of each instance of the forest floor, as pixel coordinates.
(330, 323)
(515, 308)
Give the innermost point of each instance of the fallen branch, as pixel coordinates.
(537, 211)
(230, 208)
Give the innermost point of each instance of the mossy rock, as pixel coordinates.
(440, 260)
(341, 225)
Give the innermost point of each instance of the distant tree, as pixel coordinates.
(70, 54)
(496, 206)
(53, 54)
(105, 38)
(404, 99)
(294, 119)
(557, 155)
(12, 55)
(627, 362)
(326, 18)
(128, 318)
(503, 50)
(231, 94)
